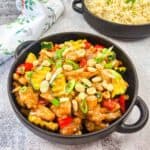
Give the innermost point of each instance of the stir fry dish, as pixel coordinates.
(71, 88)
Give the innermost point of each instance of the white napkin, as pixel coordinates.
(36, 18)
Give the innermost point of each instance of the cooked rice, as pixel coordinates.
(121, 12)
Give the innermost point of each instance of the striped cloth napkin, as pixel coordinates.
(36, 18)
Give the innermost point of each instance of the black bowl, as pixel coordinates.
(119, 125)
(111, 28)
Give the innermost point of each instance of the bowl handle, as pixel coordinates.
(144, 114)
(77, 8)
(22, 47)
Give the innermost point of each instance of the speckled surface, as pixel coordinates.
(14, 136)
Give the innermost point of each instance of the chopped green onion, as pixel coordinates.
(99, 59)
(73, 64)
(121, 69)
(59, 63)
(106, 53)
(84, 106)
(108, 66)
(47, 45)
(132, 1)
(70, 86)
(107, 50)
(55, 102)
(28, 75)
(99, 96)
(111, 56)
(59, 53)
(23, 89)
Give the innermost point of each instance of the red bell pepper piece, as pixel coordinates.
(28, 66)
(122, 103)
(99, 46)
(87, 45)
(109, 104)
(64, 122)
(24, 67)
(83, 62)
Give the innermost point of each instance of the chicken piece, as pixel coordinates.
(44, 113)
(63, 110)
(38, 121)
(16, 87)
(78, 75)
(72, 128)
(91, 126)
(95, 115)
(47, 96)
(22, 80)
(27, 98)
(43, 56)
(112, 116)
(79, 114)
(91, 101)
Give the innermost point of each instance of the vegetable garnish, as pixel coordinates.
(87, 45)
(109, 104)
(28, 75)
(47, 45)
(24, 67)
(83, 62)
(59, 53)
(132, 1)
(122, 103)
(28, 66)
(70, 86)
(23, 89)
(59, 63)
(84, 106)
(30, 58)
(108, 66)
(99, 96)
(38, 76)
(64, 122)
(55, 102)
(100, 47)
(73, 64)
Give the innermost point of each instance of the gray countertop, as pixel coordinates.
(14, 136)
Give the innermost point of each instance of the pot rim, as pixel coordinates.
(110, 22)
(50, 133)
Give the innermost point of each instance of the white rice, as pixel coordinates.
(121, 12)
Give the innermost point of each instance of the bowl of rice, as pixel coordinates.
(117, 18)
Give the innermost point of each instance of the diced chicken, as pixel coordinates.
(95, 115)
(28, 98)
(63, 110)
(47, 96)
(72, 128)
(90, 126)
(44, 113)
(112, 116)
(92, 102)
